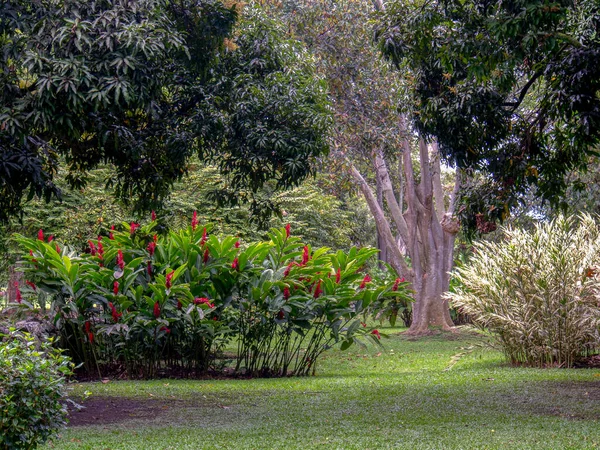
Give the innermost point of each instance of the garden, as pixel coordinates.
(299, 224)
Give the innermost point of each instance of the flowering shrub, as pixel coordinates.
(32, 391)
(150, 301)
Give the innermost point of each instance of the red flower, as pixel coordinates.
(87, 326)
(115, 315)
(280, 314)
(155, 239)
(100, 248)
(116, 287)
(133, 226)
(149, 268)
(31, 285)
(364, 325)
(151, 248)
(153, 216)
(92, 248)
(235, 264)
(169, 280)
(156, 310)
(318, 290)
(376, 333)
(305, 256)
(41, 235)
(165, 329)
(91, 337)
(289, 268)
(18, 295)
(286, 293)
(338, 276)
(57, 248)
(179, 305)
(237, 244)
(195, 221)
(31, 254)
(205, 256)
(120, 261)
(396, 283)
(204, 237)
(288, 230)
(203, 301)
(111, 236)
(366, 279)
(51, 238)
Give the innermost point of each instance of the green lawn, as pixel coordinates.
(399, 398)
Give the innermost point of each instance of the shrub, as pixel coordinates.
(538, 291)
(155, 302)
(31, 391)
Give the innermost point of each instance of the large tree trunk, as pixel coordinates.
(420, 220)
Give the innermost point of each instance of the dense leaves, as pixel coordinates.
(32, 391)
(144, 85)
(510, 88)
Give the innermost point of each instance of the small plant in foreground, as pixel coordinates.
(538, 291)
(32, 391)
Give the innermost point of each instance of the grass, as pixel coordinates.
(398, 397)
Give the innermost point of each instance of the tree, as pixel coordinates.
(510, 89)
(374, 142)
(146, 84)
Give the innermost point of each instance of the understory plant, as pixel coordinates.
(538, 291)
(32, 391)
(150, 302)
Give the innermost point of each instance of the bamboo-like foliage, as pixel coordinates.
(538, 291)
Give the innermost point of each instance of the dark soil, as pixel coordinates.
(112, 410)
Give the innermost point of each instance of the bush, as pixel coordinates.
(538, 291)
(173, 302)
(31, 391)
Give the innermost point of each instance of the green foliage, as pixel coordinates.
(144, 85)
(32, 391)
(151, 302)
(538, 291)
(509, 88)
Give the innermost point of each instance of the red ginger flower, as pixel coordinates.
(149, 268)
(235, 264)
(338, 276)
(57, 248)
(41, 235)
(93, 249)
(31, 285)
(366, 279)
(280, 314)
(205, 256)
(111, 236)
(305, 255)
(288, 230)
(87, 326)
(18, 295)
(156, 310)
(155, 239)
(237, 244)
(115, 315)
(286, 293)
(397, 282)
(165, 329)
(100, 253)
(151, 248)
(50, 238)
(195, 221)
(120, 261)
(203, 301)
(153, 215)
(289, 268)
(169, 280)
(318, 290)
(116, 287)
(376, 333)
(204, 237)
(133, 226)
(91, 337)
(179, 305)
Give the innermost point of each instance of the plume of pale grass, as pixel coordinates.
(538, 291)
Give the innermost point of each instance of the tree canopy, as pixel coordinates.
(509, 88)
(146, 84)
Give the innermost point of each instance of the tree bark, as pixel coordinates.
(425, 226)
